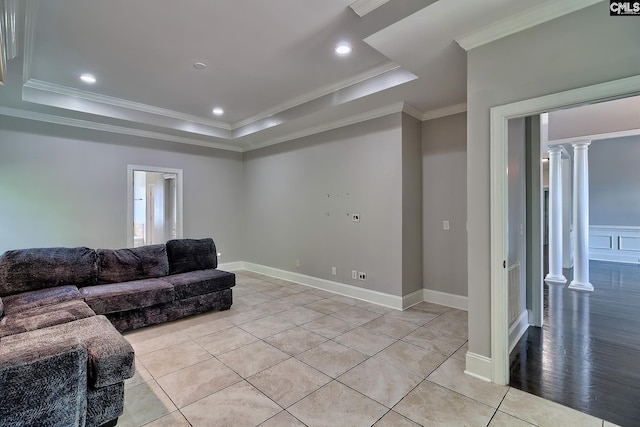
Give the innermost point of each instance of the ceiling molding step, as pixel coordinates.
(9, 15)
(29, 37)
(444, 111)
(521, 21)
(318, 93)
(362, 7)
(412, 111)
(121, 103)
(358, 118)
(84, 124)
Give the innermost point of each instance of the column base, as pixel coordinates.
(588, 287)
(556, 280)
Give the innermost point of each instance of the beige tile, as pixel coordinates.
(326, 306)
(332, 358)
(460, 315)
(393, 419)
(253, 298)
(500, 419)
(303, 298)
(197, 381)
(170, 359)
(225, 340)
(412, 315)
(239, 405)
(412, 358)
(365, 340)
(430, 404)
(147, 343)
(277, 306)
(608, 424)
(253, 358)
(282, 292)
(262, 286)
(283, 419)
(384, 383)
(244, 315)
(337, 405)
(205, 328)
(328, 326)
(141, 375)
(174, 419)
(321, 292)
(288, 382)
(144, 403)
(391, 326)
(449, 326)
(344, 300)
(380, 309)
(451, 375)
(295, 341)
(429, 307)
(461, 353)
(543, 412)
(299, 315)
(355, 315)
(150, 332)
(432, 340)
(266, 326)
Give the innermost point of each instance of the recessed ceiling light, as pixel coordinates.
(199, 65)
(218, 111)
(343, 49)
(88, 78)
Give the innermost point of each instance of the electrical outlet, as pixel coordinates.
(219, 255)
(445, 225)
(354, 274)
(362, 276)
(334, 271)
(355, 217)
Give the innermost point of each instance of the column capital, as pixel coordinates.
(580, 144)
(554, 149)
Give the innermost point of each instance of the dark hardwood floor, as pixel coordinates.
(587, 354)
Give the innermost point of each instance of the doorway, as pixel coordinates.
(154, 205)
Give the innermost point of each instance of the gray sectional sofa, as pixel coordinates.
(63, 361)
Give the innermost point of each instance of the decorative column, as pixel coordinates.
(581, 217)
(555, 217)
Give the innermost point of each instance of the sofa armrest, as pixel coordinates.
(43, 385)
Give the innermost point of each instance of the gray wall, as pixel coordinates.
(444, 192)
(299, 196)
(580, 49)
(68, 187)
(614, 182)
(411, 204)
(605, 117)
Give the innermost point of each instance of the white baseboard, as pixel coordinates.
(518, 328)
(412, 299)
(478, 366)
(375, 297)
(446, 299)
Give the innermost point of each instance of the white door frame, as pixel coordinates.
(179, 197)
(499, 202)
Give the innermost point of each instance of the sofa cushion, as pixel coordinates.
(191, 254)
(128, 295)
(110, 355)
(124, 265)
(200, 282)
(1, 308)
(27, 300)
(44, 316)
(26, 270)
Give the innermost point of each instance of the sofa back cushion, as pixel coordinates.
(1, 308)
(26, 270)
(191, 254)
(124, 265)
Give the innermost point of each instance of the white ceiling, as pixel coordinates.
(270, 65)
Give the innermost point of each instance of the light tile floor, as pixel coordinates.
(289, 355)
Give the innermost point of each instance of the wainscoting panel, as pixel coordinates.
(614, 243)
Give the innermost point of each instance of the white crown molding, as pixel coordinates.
(29, 37)
(596, 136)
(318, 93)
(362, 7)
(120, 103)
(444, 111)
(85, 124)
(358, 118)
(529, 18)
(412, 111)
